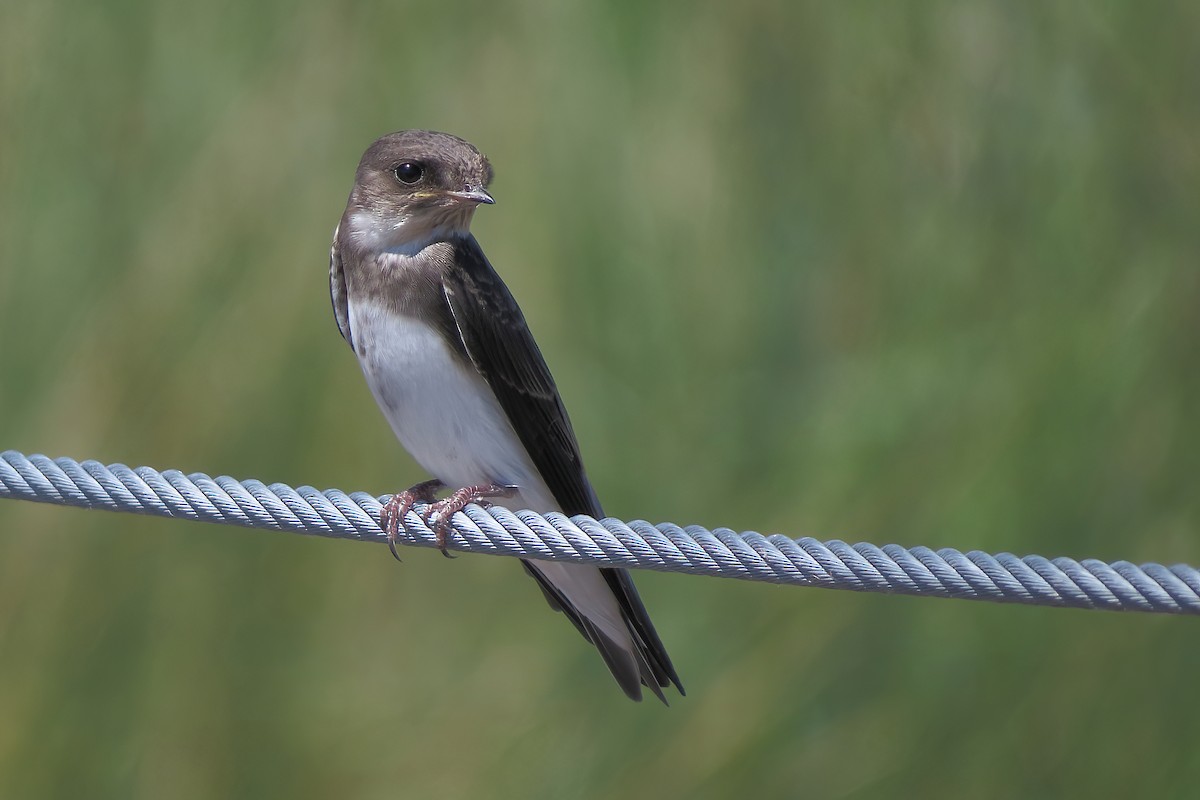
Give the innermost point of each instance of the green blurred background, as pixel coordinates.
(916, 273)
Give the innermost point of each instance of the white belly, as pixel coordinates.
(445, 415)
(448, 419)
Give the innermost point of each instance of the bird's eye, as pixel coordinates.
(409, 172)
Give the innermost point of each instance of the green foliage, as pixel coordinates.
(924, 273)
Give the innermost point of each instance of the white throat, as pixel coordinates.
(407, 234)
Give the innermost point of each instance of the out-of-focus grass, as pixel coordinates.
(925, 274)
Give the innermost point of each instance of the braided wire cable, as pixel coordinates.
(1005, 578)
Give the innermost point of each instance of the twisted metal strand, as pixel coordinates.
(862, 567)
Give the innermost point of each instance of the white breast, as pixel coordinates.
(448, 419)
(444, 414)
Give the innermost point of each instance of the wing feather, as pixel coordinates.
(498, 341)
(337, 292)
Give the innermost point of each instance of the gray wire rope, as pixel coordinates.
(1005, 578)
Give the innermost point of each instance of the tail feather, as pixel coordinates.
(647, 662)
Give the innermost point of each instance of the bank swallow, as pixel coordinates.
(452, 364)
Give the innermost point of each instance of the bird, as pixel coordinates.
(451, 362)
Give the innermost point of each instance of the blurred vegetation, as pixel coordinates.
(925, 273)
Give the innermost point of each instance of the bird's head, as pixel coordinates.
(416, 187)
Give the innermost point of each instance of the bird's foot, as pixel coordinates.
(391, 515)
(442, 511)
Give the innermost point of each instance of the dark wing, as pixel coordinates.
(337, 292)
(499, 343)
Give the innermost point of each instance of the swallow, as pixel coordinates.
(452, 364)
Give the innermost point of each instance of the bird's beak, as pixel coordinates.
(473, 194)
